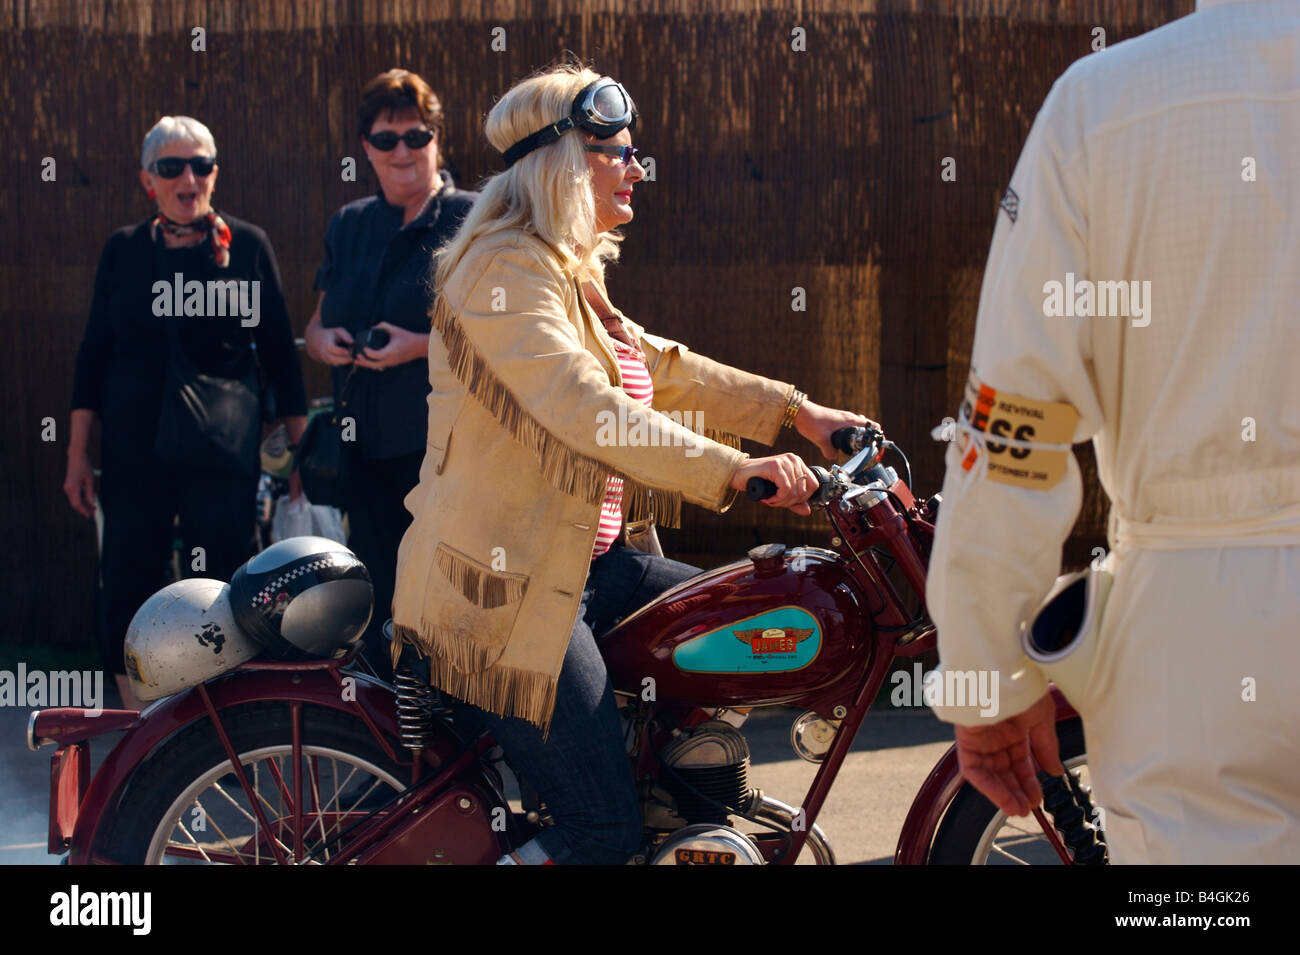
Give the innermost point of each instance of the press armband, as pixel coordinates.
(1011, 439)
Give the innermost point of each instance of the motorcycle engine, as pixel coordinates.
(705, 768)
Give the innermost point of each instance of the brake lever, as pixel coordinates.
(865, 445)
(862, 460)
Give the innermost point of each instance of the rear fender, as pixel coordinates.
(316, 687)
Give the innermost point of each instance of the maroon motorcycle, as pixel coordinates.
(320, 762)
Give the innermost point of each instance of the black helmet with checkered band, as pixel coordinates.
(303, 597)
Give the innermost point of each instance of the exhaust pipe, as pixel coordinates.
(773, 810)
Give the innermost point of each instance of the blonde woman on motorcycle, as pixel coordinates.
(555, 425)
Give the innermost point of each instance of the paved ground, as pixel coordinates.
(894, 752)
(892, 756)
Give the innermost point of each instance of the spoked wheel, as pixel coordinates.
(975, 832)
(186, 805)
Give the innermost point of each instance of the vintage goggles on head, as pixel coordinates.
(602, 108)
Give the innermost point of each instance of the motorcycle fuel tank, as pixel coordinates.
(785, 625)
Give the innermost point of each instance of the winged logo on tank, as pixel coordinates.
(773, 639)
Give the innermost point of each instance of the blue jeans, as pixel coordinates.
(581, 770)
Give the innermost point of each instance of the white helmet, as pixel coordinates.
(183, 635)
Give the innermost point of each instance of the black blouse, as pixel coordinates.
(364, 240)
(122, 361)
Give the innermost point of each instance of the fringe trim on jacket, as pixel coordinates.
(483, 587)
(567, 470)
(463, 668)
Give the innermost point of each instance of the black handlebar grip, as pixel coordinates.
(841, 440)
(853, 439)
(759, 489)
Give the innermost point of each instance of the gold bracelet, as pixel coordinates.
(792, 409)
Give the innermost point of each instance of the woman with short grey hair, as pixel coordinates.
(187, 307)
(176, 129)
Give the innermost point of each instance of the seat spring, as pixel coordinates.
(415, 700)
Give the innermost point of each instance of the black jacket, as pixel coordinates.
(364, 243)
(122, 361)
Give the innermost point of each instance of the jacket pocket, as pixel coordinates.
(438, 443)
(437, 448)
(477, 582)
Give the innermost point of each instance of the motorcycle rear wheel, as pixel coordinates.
(186, 806)
(975, 832)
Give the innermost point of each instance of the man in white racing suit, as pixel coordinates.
(1143, 291)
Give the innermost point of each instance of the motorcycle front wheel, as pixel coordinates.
(185, 805)
(975, 832)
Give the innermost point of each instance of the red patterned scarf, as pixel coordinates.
(215, 226)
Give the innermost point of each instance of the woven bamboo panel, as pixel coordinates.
(775, 169)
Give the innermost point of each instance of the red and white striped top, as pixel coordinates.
(637, 383)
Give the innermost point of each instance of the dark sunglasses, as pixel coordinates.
(387, 141)
(173, 167)
(624, 153)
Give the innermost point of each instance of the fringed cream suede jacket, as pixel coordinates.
(525, 425)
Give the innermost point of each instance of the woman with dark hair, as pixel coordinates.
(189, 288)
(371, 323)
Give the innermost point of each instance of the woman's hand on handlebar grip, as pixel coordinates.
(795, 483)
(817, 423)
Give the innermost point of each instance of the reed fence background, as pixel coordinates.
(774, 169)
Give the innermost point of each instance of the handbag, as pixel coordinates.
(323, 457)
(207, 421)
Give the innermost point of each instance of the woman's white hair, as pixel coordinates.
(175, 129)
(547, 192)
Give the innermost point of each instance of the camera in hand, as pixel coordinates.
(372, 338)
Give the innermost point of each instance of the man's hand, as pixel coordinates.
(995, 758)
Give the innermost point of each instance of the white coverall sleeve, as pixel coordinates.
(997, 547)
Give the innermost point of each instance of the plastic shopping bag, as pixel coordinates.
(328, 522)
(301, 518)
(291, 519)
